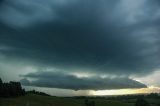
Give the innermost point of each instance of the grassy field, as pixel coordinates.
(36, 100)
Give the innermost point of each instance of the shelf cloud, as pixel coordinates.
(120, 38)
(64, 81)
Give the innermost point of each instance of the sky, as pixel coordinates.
(79, 47)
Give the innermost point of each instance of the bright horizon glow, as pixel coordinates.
(151, 89)
(68, 93)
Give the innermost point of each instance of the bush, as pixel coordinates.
(89, 103)
(141, 102)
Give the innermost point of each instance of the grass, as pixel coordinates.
(37, 100)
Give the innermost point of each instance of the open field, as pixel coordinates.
(37, 100)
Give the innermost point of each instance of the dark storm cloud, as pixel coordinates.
(64, 81)
(100, 36)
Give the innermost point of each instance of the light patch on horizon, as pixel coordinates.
(151, 89)
(66, 92)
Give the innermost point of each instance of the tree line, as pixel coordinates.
(11, 89)
(37, 93)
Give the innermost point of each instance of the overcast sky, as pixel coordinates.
(80, 44)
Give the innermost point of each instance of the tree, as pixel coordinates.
(11, 89)
(1, 82)
(141, 102)
(1, 86)
(89, 103)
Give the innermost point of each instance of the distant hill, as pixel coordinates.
(37, 93)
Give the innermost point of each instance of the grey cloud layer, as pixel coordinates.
(100, 36)
(64, 81)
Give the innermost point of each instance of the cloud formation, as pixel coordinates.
(64, 81)
(96, 36)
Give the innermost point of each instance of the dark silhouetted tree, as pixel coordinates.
(89, 103)
(86, 102)
(11, 89)
(92, 103)
(141, 102)
(1, 82)
(153, 95)
(1, 86)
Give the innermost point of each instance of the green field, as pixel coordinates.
(36, 100)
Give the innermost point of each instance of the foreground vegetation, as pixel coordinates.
(11, 89)
(38, 100)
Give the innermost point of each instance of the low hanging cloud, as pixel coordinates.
(64, 81)
(97, 36)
